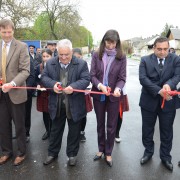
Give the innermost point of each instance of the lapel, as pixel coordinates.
(155, 63)
(73, 64)
(11, 51)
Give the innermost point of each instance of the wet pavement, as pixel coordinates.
(126, 155)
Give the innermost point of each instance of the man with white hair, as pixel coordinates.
(71, 73)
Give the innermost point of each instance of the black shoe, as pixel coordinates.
(82, 137)
(45, 136)
(109, 163)
(145, 159)
(96, 157)
(72, 161)
(179, 163)
(27, 139)
(49, 160)
(168, 165)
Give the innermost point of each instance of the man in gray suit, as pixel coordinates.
(158, 74)
(14, 70)
(71, 73)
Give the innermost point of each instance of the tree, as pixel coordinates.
(21, 12)
(59, 11)
(166, 29)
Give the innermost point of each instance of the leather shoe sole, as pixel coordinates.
(4, 159)
(145, 159)
(49, 160)
(168, 165)
(19, 160)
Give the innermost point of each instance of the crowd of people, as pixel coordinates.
(59, 69)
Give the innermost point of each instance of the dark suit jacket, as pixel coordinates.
(78, 78)
(31, 82)
(116, 77)
(152, 81)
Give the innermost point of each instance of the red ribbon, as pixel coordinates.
(171, 93)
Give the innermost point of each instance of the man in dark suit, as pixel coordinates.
(71, 73)
(14, 70)
(158, 74)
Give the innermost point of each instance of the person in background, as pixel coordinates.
(108, 70)
(78, 53)
(38, 50)
(172, 50)
(68, 72)
(159, 73)
(52, 46)
(124, 106)
(12, 101)
(30, 82)
(42, 96)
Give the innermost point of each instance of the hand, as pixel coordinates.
(56, 89)
(166, 87)
(7, 87)
(38, 87)
(117, 93)
(104, 89)
(68, 90)
(165, 94)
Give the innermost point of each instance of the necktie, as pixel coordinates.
(4, 55)
(160, 64)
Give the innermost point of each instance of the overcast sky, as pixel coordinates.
(132, 18)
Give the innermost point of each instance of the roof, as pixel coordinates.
(175, 33)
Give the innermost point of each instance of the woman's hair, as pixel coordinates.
(48, 51)
(111, 35)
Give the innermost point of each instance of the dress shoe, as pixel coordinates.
(49, 160)
(18, 161)
(179, 163)
(145, 159)
(45, 136)
(109, 163)
(4, 159)
(96, 157)
(72, 161)
(168, 165)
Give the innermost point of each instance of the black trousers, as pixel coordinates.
(119, 123)
(8, 112)
(166, 120)
(47, 121)
(28, 107)
(57, 130)
(83, 123)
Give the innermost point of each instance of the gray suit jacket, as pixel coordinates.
(152, 81)
(17, 69)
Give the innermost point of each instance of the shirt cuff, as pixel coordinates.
(99, 85)
(13, 83)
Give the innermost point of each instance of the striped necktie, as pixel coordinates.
(160, 64)
(4, 56)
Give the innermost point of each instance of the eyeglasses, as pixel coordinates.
(162, 49)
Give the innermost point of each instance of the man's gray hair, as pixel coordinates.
(64, 43)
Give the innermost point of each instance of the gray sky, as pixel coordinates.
(131, 18)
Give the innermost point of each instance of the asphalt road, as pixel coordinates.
(126, 155)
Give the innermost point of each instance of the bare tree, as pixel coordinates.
(58, 11)
(21, 12)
